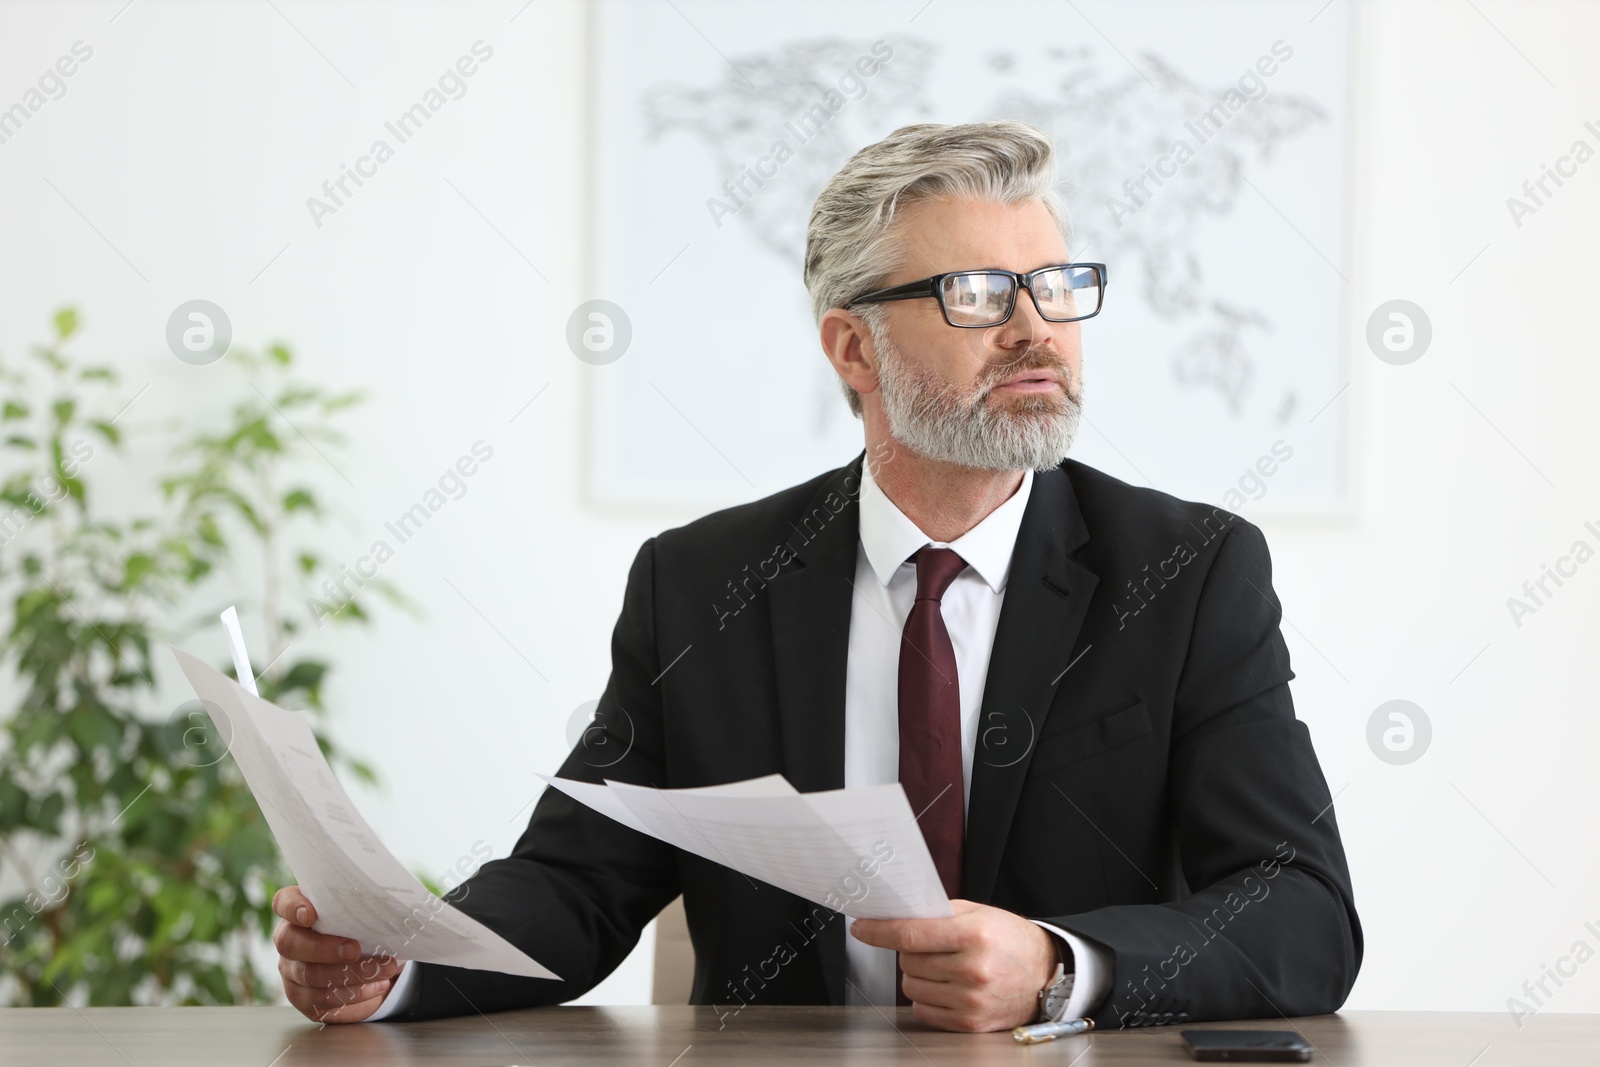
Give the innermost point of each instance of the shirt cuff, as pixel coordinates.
(1092, 966)
(402, 995)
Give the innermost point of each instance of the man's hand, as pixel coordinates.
(980, 970)
(326, 977)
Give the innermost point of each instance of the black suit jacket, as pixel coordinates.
(1140, 778)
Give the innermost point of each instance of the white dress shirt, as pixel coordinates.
(885, 586)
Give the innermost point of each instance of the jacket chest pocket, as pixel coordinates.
(1090, 739)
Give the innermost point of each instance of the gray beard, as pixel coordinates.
(939, 421)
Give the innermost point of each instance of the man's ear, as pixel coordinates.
(847, 342)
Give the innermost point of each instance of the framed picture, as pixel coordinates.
(1202, 153)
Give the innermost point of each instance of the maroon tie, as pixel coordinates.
(930, 720)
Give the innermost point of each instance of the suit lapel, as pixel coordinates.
(1047, 597)
(811, 633)
(810, 601)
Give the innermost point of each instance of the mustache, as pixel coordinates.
(1032, 359)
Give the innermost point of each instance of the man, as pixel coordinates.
(1080, 684)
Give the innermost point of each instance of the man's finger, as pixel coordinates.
(367, 970)
(323, 1001)
(939, 994)
(942, 966)
(327, 1000)
(291, 905)
(298, 943)
(954, 1019)
(305, 1002)
(910, 935)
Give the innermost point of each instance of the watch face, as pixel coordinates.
(1055, 997)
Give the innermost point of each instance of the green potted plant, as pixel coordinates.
(135, 867)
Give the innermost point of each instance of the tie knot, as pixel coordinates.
(936, 569)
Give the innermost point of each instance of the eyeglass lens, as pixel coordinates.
(981, 298)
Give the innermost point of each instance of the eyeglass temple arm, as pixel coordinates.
(908, 291)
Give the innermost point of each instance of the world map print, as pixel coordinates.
(1161, 168)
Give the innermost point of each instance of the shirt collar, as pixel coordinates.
(890, 538)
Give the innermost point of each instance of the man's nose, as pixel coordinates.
(1025, 327)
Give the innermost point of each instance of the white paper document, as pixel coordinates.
(359, 889)
(857, 851)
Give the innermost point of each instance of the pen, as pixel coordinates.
(1032, 1035)
(241, 658)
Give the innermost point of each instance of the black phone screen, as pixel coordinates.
(1247, 1046)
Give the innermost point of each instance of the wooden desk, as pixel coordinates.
(684, 1036)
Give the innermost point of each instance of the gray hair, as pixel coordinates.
(850, 248)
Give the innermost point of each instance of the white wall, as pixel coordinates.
(194, 135)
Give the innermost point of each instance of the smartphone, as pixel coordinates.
(1248, 1046)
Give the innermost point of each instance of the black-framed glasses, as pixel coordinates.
(1065, 292)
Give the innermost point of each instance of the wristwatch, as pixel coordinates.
(1057, 992)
